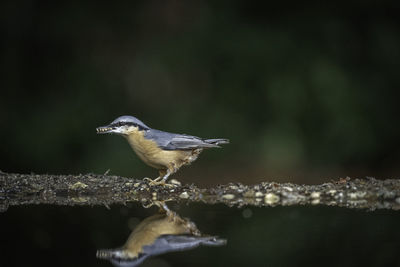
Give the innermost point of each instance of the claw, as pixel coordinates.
(157, 181)
(150, 180)
(161, 183)
(146, 206)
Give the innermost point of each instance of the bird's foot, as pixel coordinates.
(161, 204)
(161, 183)
(157, 181)
(151, 180)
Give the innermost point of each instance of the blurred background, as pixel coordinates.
(305, 92)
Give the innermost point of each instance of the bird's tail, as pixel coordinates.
(217, 141)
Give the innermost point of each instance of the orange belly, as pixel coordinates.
(148, 151)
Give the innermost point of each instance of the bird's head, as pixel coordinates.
(123, 125)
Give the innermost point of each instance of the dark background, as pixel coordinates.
(305, 91)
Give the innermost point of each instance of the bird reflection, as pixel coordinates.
(158, 234)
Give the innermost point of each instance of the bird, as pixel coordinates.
(164, 151)
(158, 234)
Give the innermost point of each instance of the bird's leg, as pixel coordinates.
(164, 208)
(164, 174)
(165, 177)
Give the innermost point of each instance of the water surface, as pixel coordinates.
(46, 235)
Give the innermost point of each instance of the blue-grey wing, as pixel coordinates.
(169, 243)
(188, 142)
(171, 141)
(163, 244)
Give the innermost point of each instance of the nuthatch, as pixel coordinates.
(164, 151)
(158, 234)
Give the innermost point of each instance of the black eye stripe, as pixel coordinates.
(123, 123)
(128, 123)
